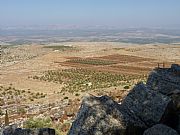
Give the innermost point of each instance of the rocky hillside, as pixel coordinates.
(149, 109)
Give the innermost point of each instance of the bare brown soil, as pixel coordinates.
(124, 64)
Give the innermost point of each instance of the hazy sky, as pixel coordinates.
(118, 13)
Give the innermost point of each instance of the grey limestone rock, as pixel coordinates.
(103, 116)
(141, 109)
(165, 80)
(160, 129)
(12, 130)
(149, 106)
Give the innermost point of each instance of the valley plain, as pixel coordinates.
(51, 79)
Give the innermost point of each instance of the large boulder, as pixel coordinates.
(165, 80)
(160, 129)
(149, 106)
(141, 109)
(9, 130)
(103, 116)
(13, 130)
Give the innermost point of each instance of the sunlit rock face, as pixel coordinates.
(102, 115)
(141, 109)
(149, 106)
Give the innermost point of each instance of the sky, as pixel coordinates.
(115, 13)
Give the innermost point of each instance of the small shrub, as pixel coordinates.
(38, 123)
(126, 87)
(21, 111)
(31, 99)
(77, 94)
(66, 97)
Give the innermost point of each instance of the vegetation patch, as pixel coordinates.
(38, 123)
(10, 95)
(75, 80)
(60, 47)
(92, 61)
(46, 122)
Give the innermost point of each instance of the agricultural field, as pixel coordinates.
(91, 61)
(82, 80)
(124, 64)
(81, 66)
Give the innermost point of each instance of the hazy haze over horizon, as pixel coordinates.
(81, 13)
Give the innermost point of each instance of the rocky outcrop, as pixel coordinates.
(102, 115)
(151, 107)
(13, 130)
(165, 80)
(141, 109)
(160, 129)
